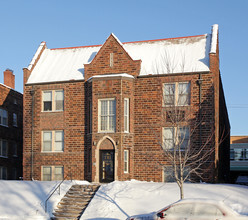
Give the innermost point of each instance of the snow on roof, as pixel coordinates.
(173, 55)
(9, 88)
(214, 38)
(36, 55)
(112, 75)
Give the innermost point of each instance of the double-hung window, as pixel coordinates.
(107, 115)
(53, 141)
(53, 100)
(15, 119)
(3, 173)
(126, 161)
(3, 117)
(126, 115)
(177, 94)
(3, 148)
(176, 137)
(52, 173)
(14, 149)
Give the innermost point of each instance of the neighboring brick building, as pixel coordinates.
(94, 112)
(11, 105)
(239, 159)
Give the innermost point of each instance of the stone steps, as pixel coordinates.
(75, 201)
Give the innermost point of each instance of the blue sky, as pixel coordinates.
(24, 24)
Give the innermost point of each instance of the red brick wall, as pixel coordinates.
(82, 143)
(71, 121)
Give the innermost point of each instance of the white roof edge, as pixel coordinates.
(117, 39)
(214, 38)
(112, 75)
(42, 44)
(10, 88)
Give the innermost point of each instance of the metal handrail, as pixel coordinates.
(56, 190)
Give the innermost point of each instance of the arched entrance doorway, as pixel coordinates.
(106, 157)
(107, 166)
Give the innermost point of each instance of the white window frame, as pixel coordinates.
(1, 148)
(176, 94)
(108, 129)
(53, 141)
(174, 138)
(126, 115)
(3, 115)
(126, 161)
(52, 173)
(2, 168)
(53, 101)
(15, 119)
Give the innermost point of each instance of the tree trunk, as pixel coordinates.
(181, 192)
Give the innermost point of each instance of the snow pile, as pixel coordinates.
(26, 199)
(116, 200)
(119, 200)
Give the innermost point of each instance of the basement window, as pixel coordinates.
(3, 173)
(50, 173)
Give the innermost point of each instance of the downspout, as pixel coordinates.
(199, 81)
(32, 134)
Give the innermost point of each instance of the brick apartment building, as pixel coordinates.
(94, 112)
(11, 107)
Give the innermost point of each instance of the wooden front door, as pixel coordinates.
(107, 165)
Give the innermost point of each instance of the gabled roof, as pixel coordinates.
(171, 55)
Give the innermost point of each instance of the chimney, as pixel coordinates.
(9, 78)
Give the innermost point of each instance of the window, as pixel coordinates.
(14, 146)
(169, 175)
(14, 173)
(107, 115)
(53, 100)
(3, 117)
(126, 115)
(3, 173)
(53, 141)
(52, 173)
(15, 119)
(176, 94)
(15, 101)
(3, 148)
(176, 137)
(126, 161)
(239, 154)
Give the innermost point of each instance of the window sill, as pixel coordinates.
(3, 156)
(104, 132)
(4, 125)
(52, 152)
(52, 111)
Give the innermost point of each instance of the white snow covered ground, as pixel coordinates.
(119, 200)
(26, 199)
(116, 200)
